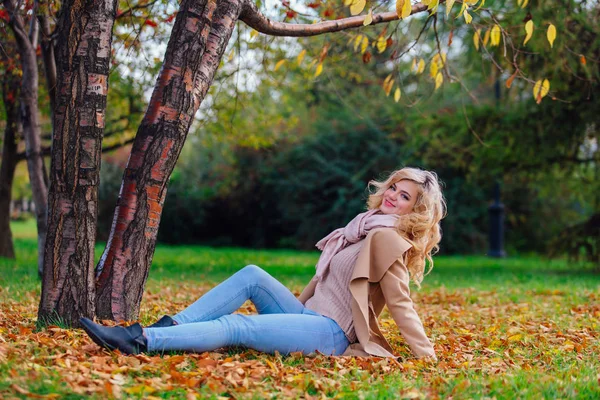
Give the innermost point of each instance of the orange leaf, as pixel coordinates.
(510, 80)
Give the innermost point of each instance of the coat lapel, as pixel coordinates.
(372, 263)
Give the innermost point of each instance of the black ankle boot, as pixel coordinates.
(164, 322)
(129, 340)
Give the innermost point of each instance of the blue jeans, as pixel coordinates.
(283, 323)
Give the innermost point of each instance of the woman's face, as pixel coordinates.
(400, 198)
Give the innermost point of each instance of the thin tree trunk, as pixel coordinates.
(30, 120)
(200, 35)
(10, 91)
(83, 56)
(47, 53)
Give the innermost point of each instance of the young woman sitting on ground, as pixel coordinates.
(363, 267)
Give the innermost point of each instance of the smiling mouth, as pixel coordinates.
(387, 203)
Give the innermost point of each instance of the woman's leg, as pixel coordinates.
(268, 333)
(250, 283)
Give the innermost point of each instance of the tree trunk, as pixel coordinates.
(83, 55)
(47, 54)
(199, 38)
(10, 91)
(30, 120)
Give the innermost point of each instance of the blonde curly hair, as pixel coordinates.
(421, 227)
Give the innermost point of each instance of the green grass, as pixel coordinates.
(520, 327)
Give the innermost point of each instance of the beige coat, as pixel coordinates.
(381, 278)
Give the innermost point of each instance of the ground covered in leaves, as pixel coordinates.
(508, 330)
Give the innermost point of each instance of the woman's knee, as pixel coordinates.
(253, 271)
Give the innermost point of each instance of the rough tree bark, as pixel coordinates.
(200, 35)
(83, 56)
(10, 91)
(26, 46)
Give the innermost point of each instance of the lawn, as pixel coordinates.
(520, 327)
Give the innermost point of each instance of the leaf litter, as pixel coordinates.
(474, 332)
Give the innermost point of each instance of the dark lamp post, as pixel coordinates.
(496, 214)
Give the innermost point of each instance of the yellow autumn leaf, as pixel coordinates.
(540, 90)
(140, 389)
(279, 64)
(438, 60)
(525, 2)
(413, 67)
(406, 9)
(433, 69)
(387, 79)
(491, 329)
(368, 18)
(403, 8)
(381, 44)
(495, 35)
(528, 31)
(439, 79)
(462, 9)
(486, 37)
(519, 2)
(253, 34)
(397, 95)
(357, 7)
(301, 57)
(515, 338)
(480, 5)
(477, 38)
(388, 83)
(319, 69)
(389, 87)
(364, 45)
(357, 42)
(348, 2)
(551, 34)
(467, 16)
(449, 4)
(421, 66)
(433, 5)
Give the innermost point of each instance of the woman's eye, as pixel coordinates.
(405, 197)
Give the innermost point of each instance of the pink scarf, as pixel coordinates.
(356, 230)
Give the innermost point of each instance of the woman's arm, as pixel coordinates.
(394, 286)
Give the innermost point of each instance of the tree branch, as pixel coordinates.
(255, 19)
(34, 27)
(131, 9)
(48, 136)
(16, 23)
(47, 54)
(118, 145)
(47, 151)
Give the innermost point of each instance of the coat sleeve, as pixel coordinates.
(394, 286)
